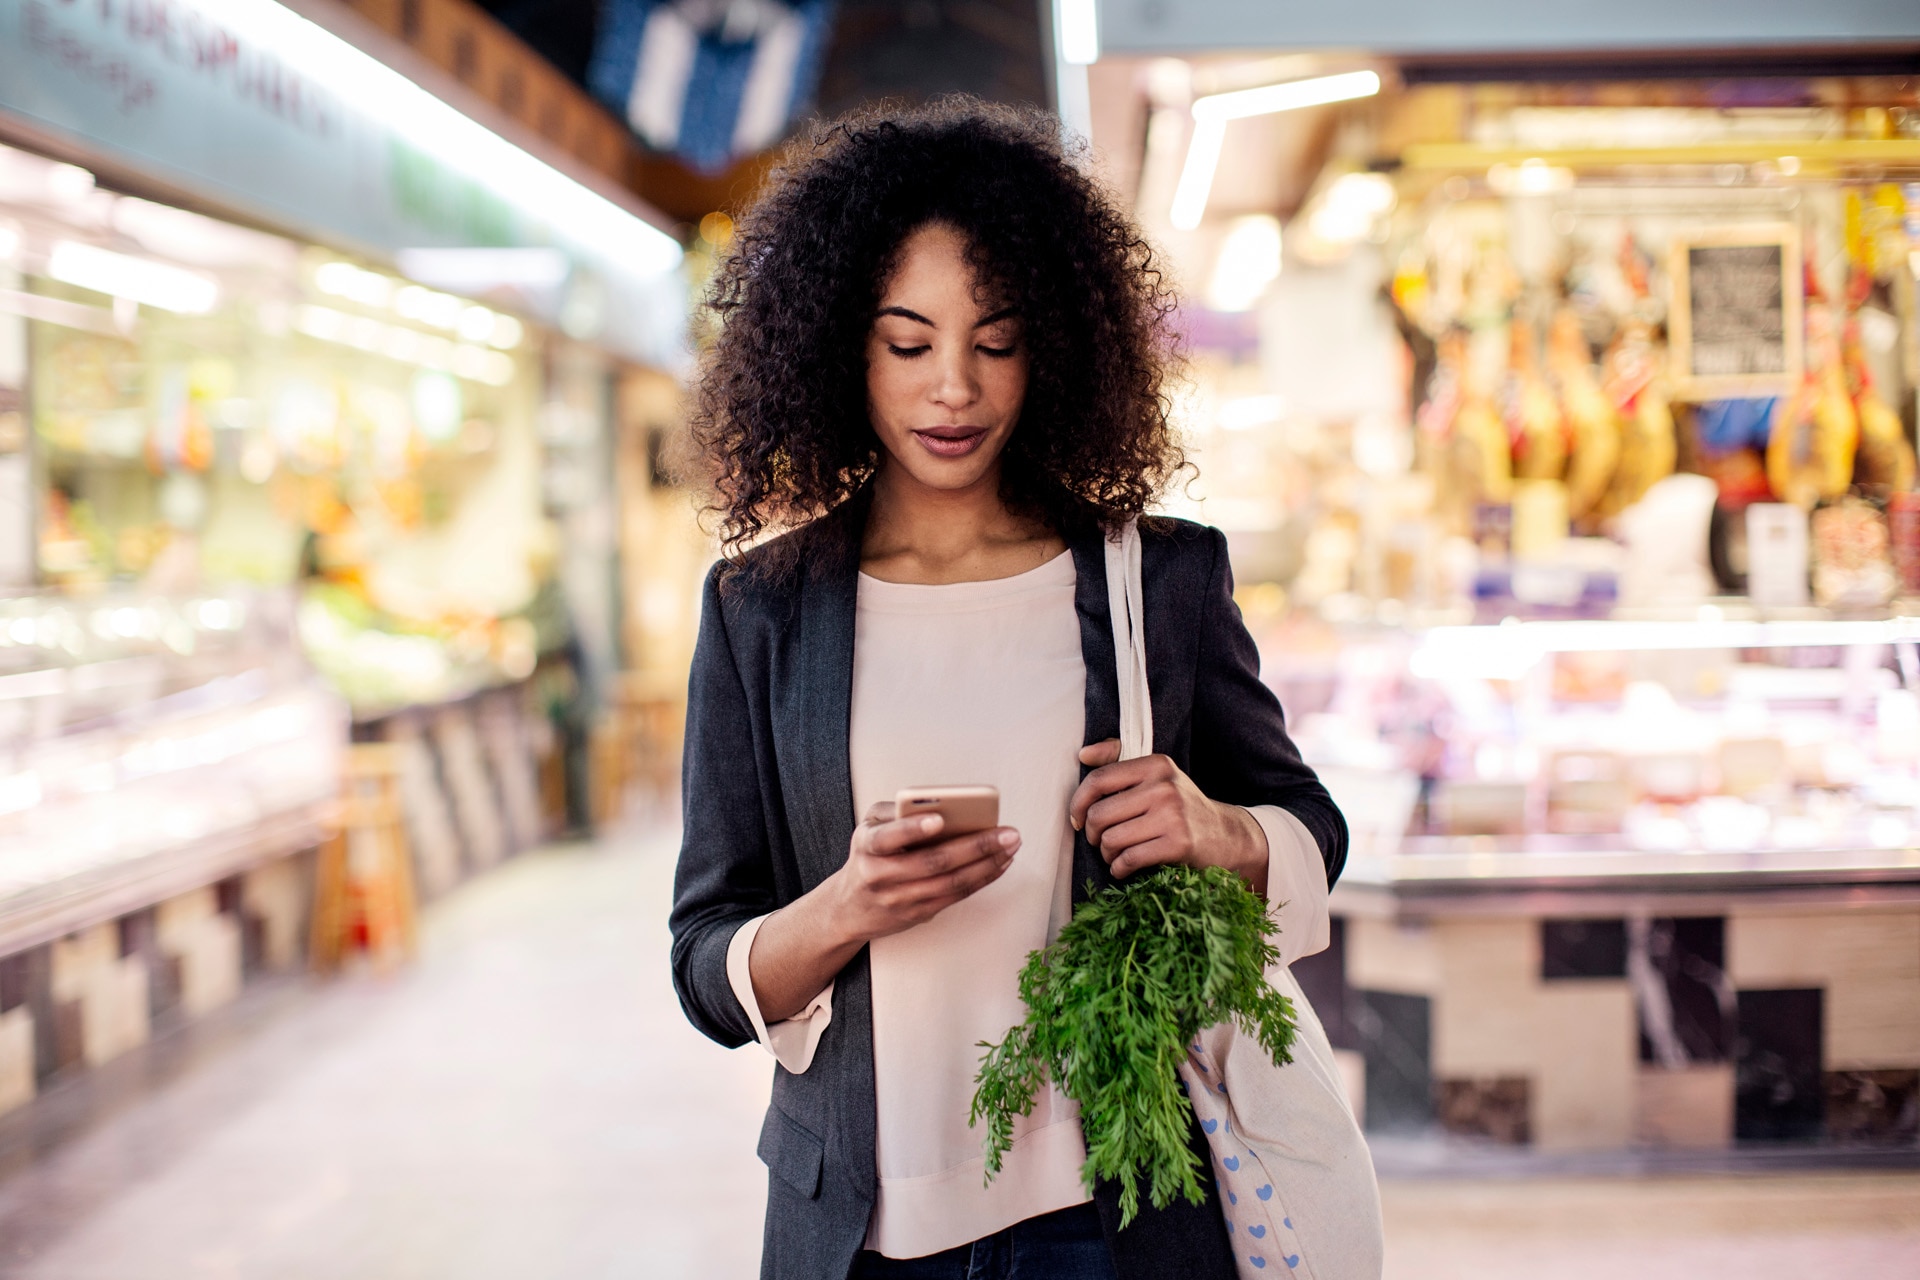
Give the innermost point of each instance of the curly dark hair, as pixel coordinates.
(780, 421)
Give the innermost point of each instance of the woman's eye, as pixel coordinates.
(907, 353)
(999, 352)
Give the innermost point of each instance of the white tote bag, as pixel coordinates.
(1296, 1179)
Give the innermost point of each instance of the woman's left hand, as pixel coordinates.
(1142, 812)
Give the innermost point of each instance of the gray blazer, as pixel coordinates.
(769, 815)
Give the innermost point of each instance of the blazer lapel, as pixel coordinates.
(1103, 683)
(819, 702)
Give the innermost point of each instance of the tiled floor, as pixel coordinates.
(527, 1102)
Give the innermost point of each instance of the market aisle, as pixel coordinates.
(527, 1102)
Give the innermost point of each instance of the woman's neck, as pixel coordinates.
(919, 534)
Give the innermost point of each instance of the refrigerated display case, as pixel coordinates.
(1623, 883)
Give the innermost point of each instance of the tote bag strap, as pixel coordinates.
(1129, 641)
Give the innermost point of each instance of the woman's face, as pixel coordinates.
(946, 371)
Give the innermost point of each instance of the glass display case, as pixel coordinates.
(150, 745)
(1623, 884)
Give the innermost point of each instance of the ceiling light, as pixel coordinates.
(344, 280)
(414, 116)
(1196, 176)
(189, 237)
(1247, 412)
(1347, 212)
(1534, 177)
(1076, 25)
(477, 271)
(1249, 261)
(441, 310)
(507, 332)
(142, 280)
(1210, 116)
(409, 346)
(1288, 96)
(476, 324)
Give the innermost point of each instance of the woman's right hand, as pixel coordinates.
(899, 872)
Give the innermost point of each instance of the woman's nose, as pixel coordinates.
(956, 387)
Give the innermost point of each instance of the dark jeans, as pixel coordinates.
(1065, 1245)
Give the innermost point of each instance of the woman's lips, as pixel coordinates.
(951, 442)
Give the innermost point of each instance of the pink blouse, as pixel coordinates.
(978, 682)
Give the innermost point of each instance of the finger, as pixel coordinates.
(966, 881)
(901, 833)
(1118, 808)
(1142, 856)
(937, 860)
(878, 813)
(1106, 751)
(1105, 781)
(1120, 837)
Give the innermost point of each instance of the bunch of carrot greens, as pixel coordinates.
(1112, 1006)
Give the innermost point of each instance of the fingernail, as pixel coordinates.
(930, 824)
(1008, 839)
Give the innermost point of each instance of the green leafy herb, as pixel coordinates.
(1112, 1006)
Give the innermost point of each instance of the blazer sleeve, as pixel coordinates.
(1241, 751)
(725, 875)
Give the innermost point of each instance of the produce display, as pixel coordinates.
(1112, 1005)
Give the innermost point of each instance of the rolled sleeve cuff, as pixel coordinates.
(1296, 883)
(793, 1041)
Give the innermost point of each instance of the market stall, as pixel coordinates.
(306, 370)
(1566, 452)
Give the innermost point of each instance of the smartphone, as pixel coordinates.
(966, 809)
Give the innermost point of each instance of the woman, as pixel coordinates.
(939, 369)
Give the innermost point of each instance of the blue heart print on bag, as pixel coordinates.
(1257, 1231)
(1257, 1261)
(1209, 1125)
(1292, 1260)
(1232, 1163)
(1265, 1193)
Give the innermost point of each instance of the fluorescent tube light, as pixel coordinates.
(480, 270)
(142, 280)
(409, 346)
(1077, 26)
(1196, 176)
(382, 94)
(1210, 116)
(1288, 96)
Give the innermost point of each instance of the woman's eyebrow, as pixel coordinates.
(1004, 313)
(905, 314)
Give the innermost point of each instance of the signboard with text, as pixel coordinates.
(1735, 319)
(168, 89)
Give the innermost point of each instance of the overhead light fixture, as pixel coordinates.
(481, 270)
(29, 179)
(1350, 208)
(142, 280)
(1249, 261)
(1533, 177)
(1247, 412)
(1211, 114)
(517, 177)
(344, 280)
(202, 241)
(1077, 27)
(408, 346)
